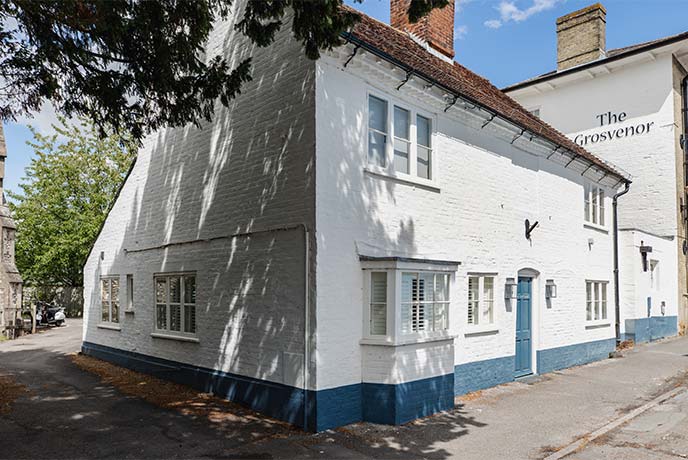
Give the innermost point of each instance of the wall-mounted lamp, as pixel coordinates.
(550, 289)
(644, 251)
(510, 289)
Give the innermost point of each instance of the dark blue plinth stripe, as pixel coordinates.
(554, 359)
(401, 403)
(483, 374)
(642, 330)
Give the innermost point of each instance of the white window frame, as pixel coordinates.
(167, 332)
(596, 301)
(595, 209)
(110, 300)
(389, 170)
(480, 301)
(130, 294)
(395, 270)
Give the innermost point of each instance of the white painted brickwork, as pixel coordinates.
(487, 188)
(406, 363)
(249, 171)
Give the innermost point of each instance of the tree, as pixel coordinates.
(136, 65)
(66, 194)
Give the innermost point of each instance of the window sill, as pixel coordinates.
(427, 184)
(111, 327)
(481, 330)
(129, 312)
(597, 325)
(180, 338)
(596, 227)
(388, 342)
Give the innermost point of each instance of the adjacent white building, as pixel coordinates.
(361, 237)
(628, 106)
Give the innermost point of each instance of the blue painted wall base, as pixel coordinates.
(479, 375)
(642, 330)
(325, 409)
(558, 358)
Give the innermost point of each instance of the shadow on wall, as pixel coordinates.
(230, 201)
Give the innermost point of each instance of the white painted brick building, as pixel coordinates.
(347, 241)
(625, 105)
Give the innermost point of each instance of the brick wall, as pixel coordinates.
(247, 173)
(581, 36)
(437, 28)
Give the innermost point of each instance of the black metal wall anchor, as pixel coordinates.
(530, 228)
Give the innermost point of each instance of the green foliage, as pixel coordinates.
(66, 194)
(136, 65)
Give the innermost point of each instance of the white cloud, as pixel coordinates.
(493, 23)
(508, 11)
(44, 119)
(460, 32)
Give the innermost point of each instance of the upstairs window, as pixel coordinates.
(109, 299)
(596, 300)
(594, 204)
(175, 303)
(377, 132)
(411, 151)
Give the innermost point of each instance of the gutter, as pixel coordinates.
(617, 302)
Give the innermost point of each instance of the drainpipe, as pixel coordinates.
(617, 305)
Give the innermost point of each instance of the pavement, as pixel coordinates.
(69, 413)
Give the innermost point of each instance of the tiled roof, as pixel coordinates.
(613, 54)
(402, 48)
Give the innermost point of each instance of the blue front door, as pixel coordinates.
(523, 326)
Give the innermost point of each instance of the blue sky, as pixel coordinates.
(505, 41)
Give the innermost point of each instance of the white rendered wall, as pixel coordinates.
(487, 188)
(644, 91)
(636, 284)
(248, 172)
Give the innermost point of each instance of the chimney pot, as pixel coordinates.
(437, 28)
(581, 36)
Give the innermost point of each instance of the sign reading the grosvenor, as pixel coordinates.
(608, 119)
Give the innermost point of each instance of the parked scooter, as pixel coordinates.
(49, 315)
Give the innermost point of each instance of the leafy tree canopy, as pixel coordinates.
(136, 65)
(65, 196)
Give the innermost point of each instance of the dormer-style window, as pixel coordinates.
(410, 153)
(594, 204)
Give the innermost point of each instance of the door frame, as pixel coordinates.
(535, 296)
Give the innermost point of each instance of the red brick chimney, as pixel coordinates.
(437, 28)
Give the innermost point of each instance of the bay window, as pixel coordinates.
(410, 152)
(405, 299)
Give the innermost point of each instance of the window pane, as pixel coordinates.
(378, 304)
(401, 123)
(104, 290)
(473, 297)
(488, 299)
(401, 156)
(603, 287)
(175, 317)
(105, 311)
(376, 149)
(160, 290)
(130, 292)
(115, 311)
(588, 297)
(594, 205)
(423, 162)
(161, 316)
(586, 192)
(596, 299)
(190, 318)
(377, 114)
(427, 286)
(601, 203)
(189, 289)
(423, 129)
(175, 289)
(442, 287)
(114, 289)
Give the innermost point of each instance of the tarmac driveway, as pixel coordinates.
(69, 413)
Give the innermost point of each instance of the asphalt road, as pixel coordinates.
(69, 413)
